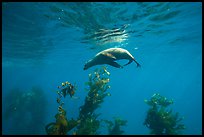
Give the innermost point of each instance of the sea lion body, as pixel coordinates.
(109, 56)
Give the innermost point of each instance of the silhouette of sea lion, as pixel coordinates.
(109, 56)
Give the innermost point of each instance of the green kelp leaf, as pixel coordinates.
(148, 102)
(87, 83)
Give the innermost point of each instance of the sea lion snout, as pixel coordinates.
(85, 67)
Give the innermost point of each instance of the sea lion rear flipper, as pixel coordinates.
(138, 65)
(115, 64)
(109, 55)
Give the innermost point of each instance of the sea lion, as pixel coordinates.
(109, 56)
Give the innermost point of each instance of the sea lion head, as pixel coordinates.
(86, 66)
(89, 64)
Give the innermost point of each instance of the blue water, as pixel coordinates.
(45, 44)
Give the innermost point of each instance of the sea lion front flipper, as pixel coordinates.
(130, 61)
(115, 64)
(109, 55)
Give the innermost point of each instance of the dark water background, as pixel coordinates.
(45, 44)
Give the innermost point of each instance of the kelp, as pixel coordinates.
(159, 119)
(97, 87)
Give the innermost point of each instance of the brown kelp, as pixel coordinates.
(161, 121)
(62, 125)
(97, 86)
(88, 122)
(115, 128)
